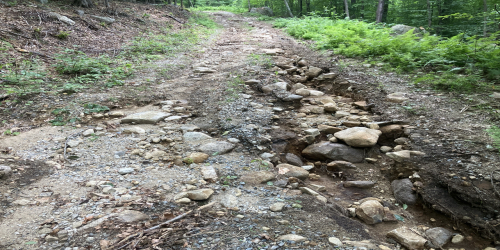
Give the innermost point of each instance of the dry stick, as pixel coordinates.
(162, 224)
(174, 18)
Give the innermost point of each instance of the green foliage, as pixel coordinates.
(94, 108)
(203, 19)
(453, 82)
(494, 133)
(234, 87)
(62, 35)
(407, 52)
(22, 77)
(8, 132)
(58, 121)
(265, 61)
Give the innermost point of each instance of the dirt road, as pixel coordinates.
(298, 149)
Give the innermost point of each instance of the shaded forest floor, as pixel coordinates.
(162, 59)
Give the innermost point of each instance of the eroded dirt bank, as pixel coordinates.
(289, 148)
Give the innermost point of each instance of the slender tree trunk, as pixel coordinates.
(308, 4)
(362, 12)
(106, 2)
(249, 6)
(353, 12)
(429, 13)
(84, 3)
(386, 11)
(288, 8)
(182, 4)
(300, 7)
(175, 2)
(346, 7)
(380, 11)
(485, 9)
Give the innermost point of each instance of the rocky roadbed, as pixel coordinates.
(300, 154)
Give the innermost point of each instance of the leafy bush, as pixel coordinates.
(62, 35)
(406, 52)
(233, 9)
(494, 133)
(203, 19)
(22, 77)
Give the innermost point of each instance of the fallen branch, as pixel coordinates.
(177, 20)
(160, 225)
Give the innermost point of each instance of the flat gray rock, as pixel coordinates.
(129, 216)
(220, 147)
(195, 136)
(148, 117)
(333, 151)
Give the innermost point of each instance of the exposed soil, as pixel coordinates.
(48, 202)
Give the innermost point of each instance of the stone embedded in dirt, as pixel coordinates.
(359, 136)
(124, 171)
(335, 241)
(309, 191)
(371, 212)
(133, 130)
(330, 107)
(307, 167)
(116, 114)
(50, 238)
(359, 184)
(340, 114)
(195, 136)
(252, 82)
(316, 93)
(130, 216)
(292, 171)
(21, 202)
(229, 201)
(362, 105)
(496, 95)
(197, 157)
(402, 141)
(277, 207)
(302, 63)
(219, 147)
(200, 194)
(183, 201)
(292, 237)
(302, 92)
(278, 85)
(209, 173)
(155, 154)
(173, 118)
(74, 143)
(88, 132)
(294, 160)
(363, 244)
(333, 151)
(328, 129)
(317, 188)
(204, 70)
(457, 239)
(313, 72)
(258, 177)
(403, 192)
(5, 171)
(397, 97)
(291, 98)
(389, 215)
(61, 18)
(312, 131)
(438, 236)
(272, 52)
(148, 117)
(106, 20)
(407, 238)
(390, 133)
(403, 155)
(385, 149)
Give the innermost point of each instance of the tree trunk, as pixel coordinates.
(84, 3)
(182, 4)
(288, 8)
(380, 11)
(353, 12)
(346, 7)
(485, 9)
(249, 6)
(386, 11)
(106, 2)
(300, 7)
(175, 2)
(308, 5)
(429, 13)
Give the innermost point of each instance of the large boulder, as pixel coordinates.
(359, 136)
(333, 151)
(403, 191)
(371, 212)
(266, 11)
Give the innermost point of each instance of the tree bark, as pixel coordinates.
(380, 11)
(249, 8)
(308, 4)
(386, 11)
(429, 13)
(288, 8)
(346, 7)
(353, 12)
(106, 2)
(300, 7)
(84, 3)
(485, 9)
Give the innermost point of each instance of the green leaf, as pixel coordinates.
(405, 206)
(31, 242)
(73, 157)
(399, 218)
(225, 133)
(297, 206)
(270, 183)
